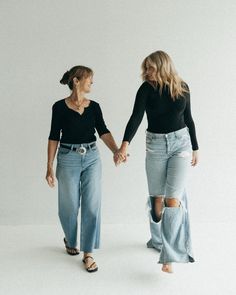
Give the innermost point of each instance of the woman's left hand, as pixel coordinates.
(195, 158)
(120, 156)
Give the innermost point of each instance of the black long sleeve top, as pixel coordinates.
(164, 115)
(68, 126)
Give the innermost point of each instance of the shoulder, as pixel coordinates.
(146, 86)
(144, 89)
(185, 85)
(94, 104)
(59, 104)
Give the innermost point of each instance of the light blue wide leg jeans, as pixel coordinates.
(168, 159)
(79, 184)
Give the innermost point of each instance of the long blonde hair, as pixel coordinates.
(166, 74)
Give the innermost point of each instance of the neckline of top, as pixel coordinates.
(90, 101)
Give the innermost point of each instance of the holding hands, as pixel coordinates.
(121, 155)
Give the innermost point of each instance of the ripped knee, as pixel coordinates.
(172, 202)
(156, 206)
(158, 199)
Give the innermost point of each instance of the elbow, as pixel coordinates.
(104, 134)
(189, 122)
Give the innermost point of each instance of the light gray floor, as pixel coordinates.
(33, 261)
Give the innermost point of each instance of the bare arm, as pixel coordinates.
(109, 141)
(52, 147)
(122, 153)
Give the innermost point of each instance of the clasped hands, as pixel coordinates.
(120, 156)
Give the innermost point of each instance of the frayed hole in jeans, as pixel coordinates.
(154, 218)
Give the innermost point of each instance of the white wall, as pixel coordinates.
(42, 39)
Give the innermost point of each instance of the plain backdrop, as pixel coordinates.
(40, 40)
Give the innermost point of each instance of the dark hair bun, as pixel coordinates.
(65, 79)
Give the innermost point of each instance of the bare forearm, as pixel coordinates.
(109, 141)
(52, 147)
(124, 146)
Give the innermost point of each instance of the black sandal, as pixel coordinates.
(71, 251)
(89, 267)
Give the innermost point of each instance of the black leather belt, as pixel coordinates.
(81, 149)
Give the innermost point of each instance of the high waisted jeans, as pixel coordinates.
(79, 183)
(168, 159)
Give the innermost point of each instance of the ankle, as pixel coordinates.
(86, 254)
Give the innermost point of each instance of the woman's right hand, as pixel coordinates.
(195, 158)
(50, 177)
(120, 156)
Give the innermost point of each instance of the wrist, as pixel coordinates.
(124, 146)
(115, 150)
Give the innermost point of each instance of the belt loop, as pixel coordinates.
(71, 148)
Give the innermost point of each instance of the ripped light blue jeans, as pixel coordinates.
(168, 158)
(79, 185)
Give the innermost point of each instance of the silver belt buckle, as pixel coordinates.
(82, 150)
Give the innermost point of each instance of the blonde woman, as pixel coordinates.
(171, 147)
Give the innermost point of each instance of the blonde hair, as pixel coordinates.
(166, 74)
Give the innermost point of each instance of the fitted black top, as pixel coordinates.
(163, 114)
(68, 126)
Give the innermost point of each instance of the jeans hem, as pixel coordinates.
(90, 250)
(187, 260)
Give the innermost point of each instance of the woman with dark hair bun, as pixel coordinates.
(64, 80)
(75, 120)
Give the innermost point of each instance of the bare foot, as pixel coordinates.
(167, 268)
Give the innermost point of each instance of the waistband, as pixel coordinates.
(167, 135)
(79, 148)
(77, 145)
